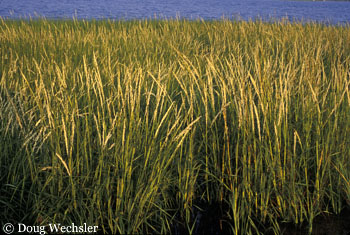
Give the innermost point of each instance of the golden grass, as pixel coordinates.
(131, 125)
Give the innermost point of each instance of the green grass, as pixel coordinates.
(133, 125)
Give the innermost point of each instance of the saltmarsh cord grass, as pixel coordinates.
(133, 125)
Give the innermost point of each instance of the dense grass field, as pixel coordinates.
(168, 126)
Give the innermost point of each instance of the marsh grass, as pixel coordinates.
(133, 125)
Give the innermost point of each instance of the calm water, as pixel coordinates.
(328, 11)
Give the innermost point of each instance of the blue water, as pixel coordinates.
(329, 11)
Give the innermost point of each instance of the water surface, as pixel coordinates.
(322, 11)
